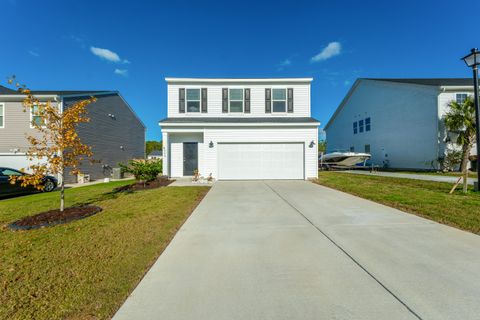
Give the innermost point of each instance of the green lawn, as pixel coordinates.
(424, 198)
(471, 174)
(86, 269)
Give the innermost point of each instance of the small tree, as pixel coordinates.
(460, 119)
(57, 145)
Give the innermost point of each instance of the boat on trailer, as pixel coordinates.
(343, 159)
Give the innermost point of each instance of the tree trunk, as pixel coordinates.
(62, 193)
(464, 166)
(465, 155)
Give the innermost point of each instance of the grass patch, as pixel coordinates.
(86, 269)
(424, 198)
(441, 174)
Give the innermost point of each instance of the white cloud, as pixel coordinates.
(121, 72)
(108, 55)
(33, 53)
(331, 50)
(285, 63)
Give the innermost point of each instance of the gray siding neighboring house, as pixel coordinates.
(114, 132)
(405, 119)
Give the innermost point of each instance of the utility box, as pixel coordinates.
(117, 173)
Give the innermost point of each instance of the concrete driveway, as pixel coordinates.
(296, 250)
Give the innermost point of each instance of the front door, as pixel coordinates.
(190, 158)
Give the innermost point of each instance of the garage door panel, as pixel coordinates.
(260, 161)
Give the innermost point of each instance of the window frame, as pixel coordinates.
(368, 126)
(369, 148)
(461, 93)
(199, 100)
(361, 126)
(230, 100)
(31, 118)
(285, 100)
(2, 114)
(355, 127)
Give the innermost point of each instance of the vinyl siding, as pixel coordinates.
(301, 100)
(404, 122)
(208, 156)
(107, 135)
(16, 128)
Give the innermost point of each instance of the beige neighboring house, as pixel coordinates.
(114, 132)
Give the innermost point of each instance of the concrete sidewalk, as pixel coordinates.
(296, 250)
(415, 176)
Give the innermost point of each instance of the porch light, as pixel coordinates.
(473, 59)
(210, 144)
(312, 143)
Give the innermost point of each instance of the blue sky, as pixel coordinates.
(58, 44)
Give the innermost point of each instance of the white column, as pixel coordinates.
(166, 154)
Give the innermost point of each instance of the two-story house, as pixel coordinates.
(240, 129)
(399, 121)
(114, 132)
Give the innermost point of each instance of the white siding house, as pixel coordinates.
(240, 129)
(405, 121)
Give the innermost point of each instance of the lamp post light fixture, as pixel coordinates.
(473, 60)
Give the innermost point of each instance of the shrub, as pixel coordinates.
(142, 170)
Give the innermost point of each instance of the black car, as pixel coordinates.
(7, 189)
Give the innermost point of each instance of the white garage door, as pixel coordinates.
(237, 161)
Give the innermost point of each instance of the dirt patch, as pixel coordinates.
(54, 217)
(157, 183)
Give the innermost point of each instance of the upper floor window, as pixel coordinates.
(461, 97)
(2, 115)
(235, 98)
(279, 100)
(35, 117)
(355, 127)
(193, 100)
(367, 124)
(360, 126)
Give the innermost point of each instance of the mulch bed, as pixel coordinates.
(157, 183)
(54, 217)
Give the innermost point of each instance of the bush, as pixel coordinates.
(142, 170)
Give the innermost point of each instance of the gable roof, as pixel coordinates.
(8, 91)
(5, 90)
(437, 82)
(429, 81)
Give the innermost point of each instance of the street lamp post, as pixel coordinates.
(473, 60)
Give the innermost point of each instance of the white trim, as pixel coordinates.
(243, 101)
(286, 100)
(199, 101)
(233, 125)
(2, 126)
(239, 80)
(31, 117)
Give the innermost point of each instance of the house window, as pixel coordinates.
(193, 100)
(352, 149)
(367, 124)
(279, 100)
(2, 115)
(355, 127)
(35, 117)
(360, 126)
(461, 97)
(235, 100)
(367, 148)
